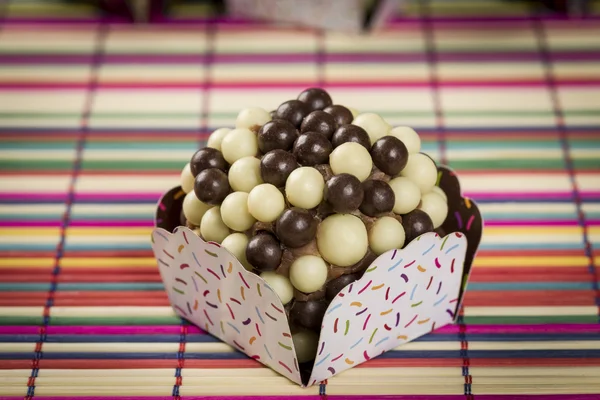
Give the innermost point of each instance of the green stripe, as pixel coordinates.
(508, 164)
(586, 163)
(27, 165)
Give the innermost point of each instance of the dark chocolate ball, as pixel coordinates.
(340, 114)
(276, 134)
(293, 111)
(309, 314)
(207, 158)
(182, 218)
(276, 166)
(320, 122)
(212, 186)
(379, 198)
(389, 154)
(334, 286)
(351, 133)
(315, 98)
(296, 227)
(416, 223)
(264, 252)
(344, 192)
(312, 148)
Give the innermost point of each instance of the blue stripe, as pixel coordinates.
(235, 355)
(200, 338)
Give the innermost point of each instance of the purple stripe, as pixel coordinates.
(79, 223)
(100, 330)
(336, 397)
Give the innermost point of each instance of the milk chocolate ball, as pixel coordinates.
(340, 114)
(344, 192)
(293, 111)
(296, 227)
(378, 198)
(416, 223)
(207, 158)
(334, 286)
(212, 186)
(276, 134)
(315, 98)
(309, 314)
(390, 155)
(351, 133)
(320, 122)
(312, 148)
(264, 252)
(276, 166)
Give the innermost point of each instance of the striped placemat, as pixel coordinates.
(97, 118)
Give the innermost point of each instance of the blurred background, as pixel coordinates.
(103, 102)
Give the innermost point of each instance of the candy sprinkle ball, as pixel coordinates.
(310, 188)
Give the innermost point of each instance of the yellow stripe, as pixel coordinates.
(26, 262)
(78, 262)
(558, 261)
(78, 231)
(531, 230)
(29, 232)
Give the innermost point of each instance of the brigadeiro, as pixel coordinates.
(312, 148)
(344, 193)
(378, 198)
(389, 155)
(309, 314)
(315, 98)
(320, 122)
(296, 227)
(276, 166)
(351, 133)
(276, 134)
(416, 223)
(293, 111)
(264, 252)
(340, 114)
(212, 186)
(207, 158)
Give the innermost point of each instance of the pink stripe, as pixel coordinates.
(533, 328)
(336, 397)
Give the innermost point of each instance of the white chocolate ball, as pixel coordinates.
(193, 208)
(305, 344)
(351, 158)
(265, 202)
(234, 212)
(342, 239)
(239, 143)
(212, 227)
(409, 137)
(375, 126)
(187, 179)
(215, 138)
(304, 187)
(440, 191)
(244, 174)
(308, 273)
(421, 170)
(236, 243)
(386, 234)
(406, 193)
(436, 207)
(280, 285)
(252, 117)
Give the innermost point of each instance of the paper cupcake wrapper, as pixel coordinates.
(403, 295)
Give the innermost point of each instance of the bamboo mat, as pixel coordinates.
(97, 118)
